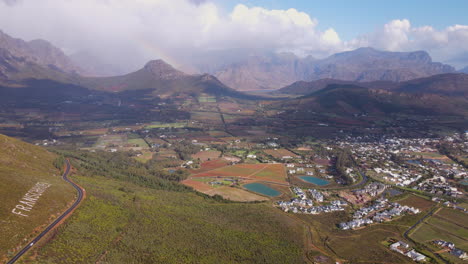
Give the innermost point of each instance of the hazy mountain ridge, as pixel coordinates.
(450, 84)
(13, 69)
(363, 65)
(164, 81)
(350, 99)
(40, 52)
(464, 70)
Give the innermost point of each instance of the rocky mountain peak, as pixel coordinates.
(38, 51)
(163, 70)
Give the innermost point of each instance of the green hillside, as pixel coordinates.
(137, 220)
(22, 168)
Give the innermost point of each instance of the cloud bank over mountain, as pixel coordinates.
(128, 33)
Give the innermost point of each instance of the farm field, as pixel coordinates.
(210, 165)
(341, 244)
(108, 140)
(416, 201)
(206, 155)
(236, 194)
(447, 224)
(138, 142)
(165, 125)
(279, 153)
(218, 133)
(258, 172)
(207, 117)
(206, 99)
(146, 156)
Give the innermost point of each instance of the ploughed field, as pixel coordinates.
(228, 180)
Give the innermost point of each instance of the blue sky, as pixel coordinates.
(354, 17)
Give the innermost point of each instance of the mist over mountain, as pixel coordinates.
(464, 70)
(38, 51)
(274, 71)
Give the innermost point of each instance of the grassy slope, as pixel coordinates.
(21, 166)
(125, 223)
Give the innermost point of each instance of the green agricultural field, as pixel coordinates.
(426, 233)
(356, 246)
(22, 166)
(166, 125)
(207, 99)
(145, 157)
(106, 140)
(447, 224)
(123, 223)
(208, 117)
(138, 142)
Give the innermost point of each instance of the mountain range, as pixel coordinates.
(464, 70)
(41, 60)
(164, 81)
(450, 84)
(385, 78)
(273, 71)
(348, 100)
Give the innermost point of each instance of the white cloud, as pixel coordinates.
(447, 45)
(130, 32)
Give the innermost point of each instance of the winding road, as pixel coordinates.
(60, 218)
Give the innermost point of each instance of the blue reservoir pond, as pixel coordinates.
(314, 180)
(262, 189)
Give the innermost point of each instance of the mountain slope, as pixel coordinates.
(22, 167)
(450, 84)
(262, 72)
(164, 81)
(13, 69)
(368, 64)
(39, 52)
(454, 84)
(303, 87)
(350, 100)
(273, 71)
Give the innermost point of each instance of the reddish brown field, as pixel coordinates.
(210, 165)
(197, 185)
(417, 202)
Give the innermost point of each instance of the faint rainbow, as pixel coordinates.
(157, 52)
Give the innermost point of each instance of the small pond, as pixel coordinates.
(262, 189)
(314, 180)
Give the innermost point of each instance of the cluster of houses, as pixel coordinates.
(440, 186)
(449, 246)
(396, 161)
(303, 204)
(380, 211)
(316, 195)
(404, 249)
(292, 169)
(373, 189)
